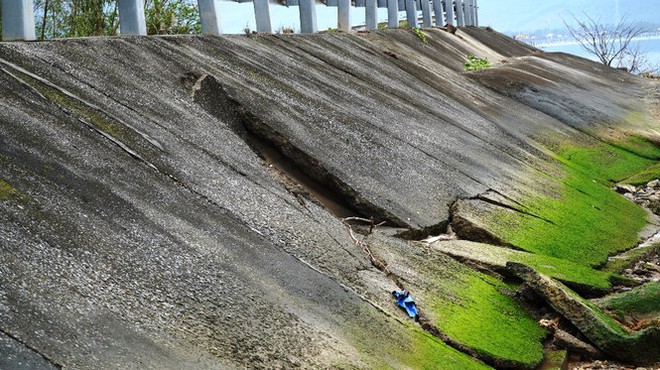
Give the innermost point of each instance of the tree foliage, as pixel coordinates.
(76, 18)
(608, 43)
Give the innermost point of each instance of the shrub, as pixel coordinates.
(476, 64)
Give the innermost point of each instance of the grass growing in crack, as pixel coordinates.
(491, 322)
(420, 34)
(476, 64)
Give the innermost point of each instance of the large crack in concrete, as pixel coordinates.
(303, 175)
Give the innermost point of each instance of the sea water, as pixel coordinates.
(649, 47)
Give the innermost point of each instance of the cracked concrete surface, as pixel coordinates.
(146, 232)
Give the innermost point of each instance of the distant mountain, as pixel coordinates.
(512, 16)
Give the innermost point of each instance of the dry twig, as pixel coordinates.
(362, 243)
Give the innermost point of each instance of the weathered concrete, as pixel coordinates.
(154, 202)
(640, 348)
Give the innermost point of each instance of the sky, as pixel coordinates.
(503, 15)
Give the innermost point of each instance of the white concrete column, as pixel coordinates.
(262, 15)
(426, 13)
(308, 16)
(17, 20)
(344, 15)
(476, 13)
(411, 13)
(209, 12)
(392, 13)
(460, 17)
(449, 8)
(131, 18)
(468, 12)
(439, 13)
(371, 9)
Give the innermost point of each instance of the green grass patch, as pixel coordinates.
(420, 34)
(643, 301)
(476, 64)
(484, 318)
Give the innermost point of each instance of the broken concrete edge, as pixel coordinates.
(604, 332)
(209, 92)
(494, 258)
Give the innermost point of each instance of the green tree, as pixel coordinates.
(169, 17)
(77, 18)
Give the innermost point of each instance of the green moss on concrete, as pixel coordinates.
(566, 271)
(629, 258)
(607, 162)
(8, 192)
(554, 360)
(586, 223)
(484, 318)
(572, 273)
(645, 176)
(642, 301)
(388, 344)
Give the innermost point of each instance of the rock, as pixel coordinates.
(607, 335)
(624, 189)
(655, 184)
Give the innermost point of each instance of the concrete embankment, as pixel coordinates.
(175, 202)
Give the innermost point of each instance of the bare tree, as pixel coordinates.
(607, 43)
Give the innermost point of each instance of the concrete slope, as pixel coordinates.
(172, 202)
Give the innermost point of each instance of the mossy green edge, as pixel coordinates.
(492, 323)
(411, 348)
(641, 301)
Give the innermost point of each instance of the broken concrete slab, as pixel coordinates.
(606, 334)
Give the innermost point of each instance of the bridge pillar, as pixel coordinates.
(17, 20)
(393, 13)
(460, 14)
(262, 15)
(426, 13)
(308, 16)
(468, 12)
(411, 13)
(344, 15)
(439, 13)
(449, 8)
(209, 12)
(131, 18)
(476, 13)
(371, 9)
